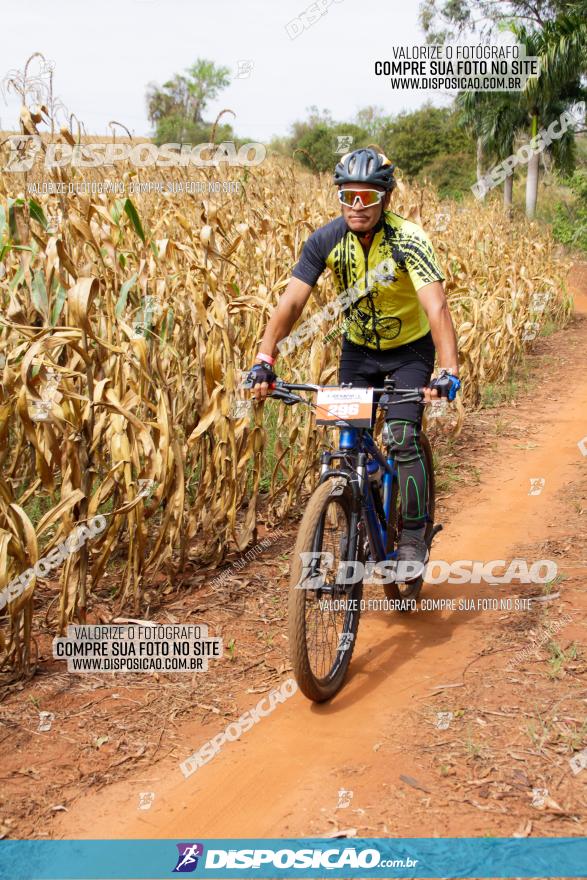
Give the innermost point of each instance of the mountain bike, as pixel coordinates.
(353, 520)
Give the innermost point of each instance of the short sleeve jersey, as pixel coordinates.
(384, 312)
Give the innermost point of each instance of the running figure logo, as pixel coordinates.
(189, 853)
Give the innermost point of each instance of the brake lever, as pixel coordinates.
(416, 398)
(286, 396)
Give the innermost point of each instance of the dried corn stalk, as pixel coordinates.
(144, 311)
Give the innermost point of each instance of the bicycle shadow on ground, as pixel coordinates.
(388, 641)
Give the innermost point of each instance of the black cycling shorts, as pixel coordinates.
(411, 366)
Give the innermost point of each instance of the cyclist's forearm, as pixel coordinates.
(288, 310)
(433, 300)
(279, 326)
(445, 339)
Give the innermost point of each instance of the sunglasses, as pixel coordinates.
(367, 197)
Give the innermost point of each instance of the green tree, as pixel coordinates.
(373, 121)
(315, 118)
(545, 98)
(570, 225)
(414, 140)
(179, 104)
(494, 119)
(204, 83)
(450, 174)
(318, 139)
(442, 19)
(325, 145)
(563, 54)
(175, 129)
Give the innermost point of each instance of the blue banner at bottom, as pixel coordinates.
(301, 857)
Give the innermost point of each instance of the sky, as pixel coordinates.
(106, 53)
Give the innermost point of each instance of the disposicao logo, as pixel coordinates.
(187, 860)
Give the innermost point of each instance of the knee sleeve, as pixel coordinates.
(403, 440)
(404, 447)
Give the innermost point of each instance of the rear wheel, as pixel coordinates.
(324, 599)
(410, 589)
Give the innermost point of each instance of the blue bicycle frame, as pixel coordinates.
(360, 444)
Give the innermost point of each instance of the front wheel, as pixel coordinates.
(410, 589)
(324, 596)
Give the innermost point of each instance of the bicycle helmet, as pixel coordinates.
(365, 166)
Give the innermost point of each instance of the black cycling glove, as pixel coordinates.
(260, 373)
(446, 384)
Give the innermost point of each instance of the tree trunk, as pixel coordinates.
(480, 162)
(532, 185)
(508, 193)
(532, 178)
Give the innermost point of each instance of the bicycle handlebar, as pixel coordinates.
(292, 386)
(284, 391)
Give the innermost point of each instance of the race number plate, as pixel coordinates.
(345, 406)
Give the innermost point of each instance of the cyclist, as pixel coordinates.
(396, 322)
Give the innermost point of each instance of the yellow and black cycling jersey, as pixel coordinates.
(385, 313)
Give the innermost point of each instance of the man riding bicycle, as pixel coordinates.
(395, 324)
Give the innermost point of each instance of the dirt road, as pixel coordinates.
(511, 733)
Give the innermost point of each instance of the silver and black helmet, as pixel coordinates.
(365, 166)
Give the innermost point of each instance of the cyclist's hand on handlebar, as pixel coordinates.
(262, 379)
(444, 385)
(429, 395)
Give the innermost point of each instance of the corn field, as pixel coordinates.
(125, 325)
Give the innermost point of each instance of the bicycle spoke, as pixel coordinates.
(324, 625)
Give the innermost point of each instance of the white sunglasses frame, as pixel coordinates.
(378, 202)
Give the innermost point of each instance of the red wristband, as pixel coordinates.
(266, 358)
